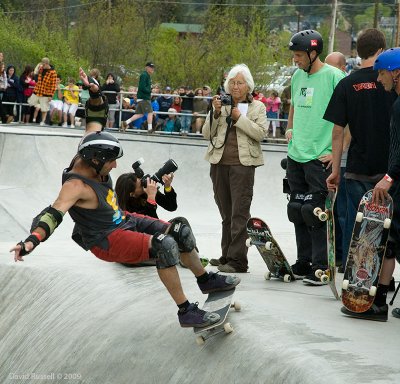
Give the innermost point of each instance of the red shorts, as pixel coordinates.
(130, 244)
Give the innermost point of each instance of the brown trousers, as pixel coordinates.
(233, 193)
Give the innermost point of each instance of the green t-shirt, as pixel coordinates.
(55, 96)
(312, 135)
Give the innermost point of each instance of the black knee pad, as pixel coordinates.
(294, 208)
(165, 250)
(97, 113)
(312, 201)
(182, 233)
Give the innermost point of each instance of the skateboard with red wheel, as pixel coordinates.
(260, 235)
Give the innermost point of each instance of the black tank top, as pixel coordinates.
(92, 226)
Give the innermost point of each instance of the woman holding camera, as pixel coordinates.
(235, 127)
(134, 197)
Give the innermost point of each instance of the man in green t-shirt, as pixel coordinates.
(144, 99)
(309, 151)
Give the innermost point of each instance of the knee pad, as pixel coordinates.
(182, 233)
(165, 250)
(312, 201)
(294, 208)
(97, 113)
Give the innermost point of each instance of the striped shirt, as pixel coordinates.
(46, 83)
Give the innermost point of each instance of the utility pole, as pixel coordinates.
(376, 13)
(333, 27)
(397, 23)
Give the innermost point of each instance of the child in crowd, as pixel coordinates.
(71, 102)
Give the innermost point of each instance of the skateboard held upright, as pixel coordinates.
(260, 235)
(328, 275)
(218, 302)
(366, 252)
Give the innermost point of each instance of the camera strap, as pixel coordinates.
(228, 121)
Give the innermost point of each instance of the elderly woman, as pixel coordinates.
(235, 127)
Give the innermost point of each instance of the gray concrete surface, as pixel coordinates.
(77, 319)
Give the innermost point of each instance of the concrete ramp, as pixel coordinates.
(68, 317)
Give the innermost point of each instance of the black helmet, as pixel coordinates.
(101, 146)
(306, 41)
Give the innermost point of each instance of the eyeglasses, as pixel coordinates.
(238, 83)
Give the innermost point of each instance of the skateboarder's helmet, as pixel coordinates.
(389, 60)
(307, 41)
(101, 146)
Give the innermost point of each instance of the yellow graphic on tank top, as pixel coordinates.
(112, 201)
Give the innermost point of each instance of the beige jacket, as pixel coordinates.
(250, 130)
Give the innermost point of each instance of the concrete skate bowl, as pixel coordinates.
(63, 312)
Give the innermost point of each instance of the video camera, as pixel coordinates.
(286, 187)
(168, 167)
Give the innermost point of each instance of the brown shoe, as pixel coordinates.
(124, 126)
(227, 268)
(215, 262)
(10, 119)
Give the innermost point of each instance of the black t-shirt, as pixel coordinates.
(361, 102)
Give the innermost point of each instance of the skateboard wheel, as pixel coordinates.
(268, 245)
(372, 291)
(200, 340)
(317, 211)
(236, 305)
(267, 275)
(323, 216)
(248, 243)
(387, 223)
(324, 278)
(345, 285)
(318, 273)
(359, 217)
(228, 328)
(287, 278)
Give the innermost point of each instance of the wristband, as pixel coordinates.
(388, 179)
(37, 234)
(152, 202)
(168, 189)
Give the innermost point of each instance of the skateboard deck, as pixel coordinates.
(260, 235)
(328, 275)
(366, 252)
(217, 302)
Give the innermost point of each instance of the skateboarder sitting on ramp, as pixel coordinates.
(117, 236)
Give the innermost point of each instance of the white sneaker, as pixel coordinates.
(72, 126)
(65, 125)
(42, 123)
(33, 120)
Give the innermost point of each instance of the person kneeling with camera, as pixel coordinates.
(133, 196)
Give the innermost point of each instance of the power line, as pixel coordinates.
(56, 8)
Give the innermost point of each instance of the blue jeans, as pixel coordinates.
(186, 121)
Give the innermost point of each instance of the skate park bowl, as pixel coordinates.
(69, 317)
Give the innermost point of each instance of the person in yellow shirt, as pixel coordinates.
(71, 102)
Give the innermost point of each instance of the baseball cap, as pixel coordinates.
(150, 64)
(127, 100)
(172, 110)
(167, 88)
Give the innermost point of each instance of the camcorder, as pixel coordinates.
(286, 187)
(168, 167)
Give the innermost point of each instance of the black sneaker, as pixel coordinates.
(311, 279)
(300, 269)
(217, 282)
(195, 317)
(341, 269)
(374, 313)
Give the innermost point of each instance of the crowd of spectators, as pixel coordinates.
(40, 89)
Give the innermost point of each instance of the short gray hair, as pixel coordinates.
(245, 71)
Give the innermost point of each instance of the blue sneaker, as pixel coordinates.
(217, 282)
(195, 317)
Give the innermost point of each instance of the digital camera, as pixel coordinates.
(226, 99)
(168, 167)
